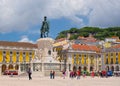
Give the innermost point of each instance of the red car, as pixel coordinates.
(11, 72)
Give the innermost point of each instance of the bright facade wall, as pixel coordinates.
(108, 56)
(83, 59)
(14, 56)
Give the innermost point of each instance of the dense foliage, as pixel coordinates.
(99, 33)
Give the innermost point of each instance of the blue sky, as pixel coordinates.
(20, 20)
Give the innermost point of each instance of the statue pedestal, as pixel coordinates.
(45, 47)
(46, 56)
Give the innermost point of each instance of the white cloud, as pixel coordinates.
(105, 13)
(19, 15)
(25, 39)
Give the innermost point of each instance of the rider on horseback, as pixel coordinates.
(44, 28)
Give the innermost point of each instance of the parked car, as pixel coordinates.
(11, 72)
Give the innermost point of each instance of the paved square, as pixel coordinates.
(58, 81)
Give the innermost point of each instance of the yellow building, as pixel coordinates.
(107, 44)
(112, 58)
(58, 46)
(83, 57)
(16, 55)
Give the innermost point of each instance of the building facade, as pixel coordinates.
(16, 55)
(112, 58)
(83, 57)
(72, 56)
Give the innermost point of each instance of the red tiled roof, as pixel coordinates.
(81, 37)
(18, 44)
(87, 39)
(116, 37)
(116, 46)
(85, 47)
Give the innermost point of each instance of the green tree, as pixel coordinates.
(61, 36)
(118, 34)
(73, 37)
(99, 33)
(73, 30)
(85, 34)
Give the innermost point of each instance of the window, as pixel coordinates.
(4, 52)
(85, 60)
(106, 60)
(91, 56)
(111, 54)
(49, 52)
(99, 56)
(116, 60)
(111, 60)
(23, 53)
(79, 60)
(11, 52)
(30, 53)
(107, 54)
(91, 61)
(17, 53)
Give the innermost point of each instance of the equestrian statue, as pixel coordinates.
(45, 28)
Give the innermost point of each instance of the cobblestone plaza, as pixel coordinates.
(58, 81)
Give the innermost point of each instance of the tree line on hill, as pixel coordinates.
(98, 33)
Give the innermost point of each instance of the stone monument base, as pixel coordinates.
(46, 56)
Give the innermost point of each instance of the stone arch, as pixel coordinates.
(112, 68)
(107, 68)
(117, 68)
(49, 52)
(85, 68)
(16, 67)
(91, 68)
(10, 66)
(79, 68)
(4, 67)
(74, 68)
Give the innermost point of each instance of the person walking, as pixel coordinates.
(29, 73)
(78, 74)
(64, 74)
(92, 74)
(53, 74)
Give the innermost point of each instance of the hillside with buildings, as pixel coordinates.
(98, 33)
(84, 52)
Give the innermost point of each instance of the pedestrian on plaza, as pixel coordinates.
(92, 74)
(51, 74)
(78, 74)
(84, 74)
(70, 74)
(29, 73)
(64, 74)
